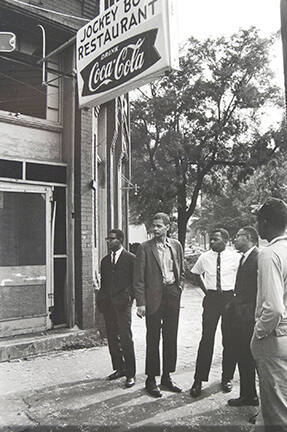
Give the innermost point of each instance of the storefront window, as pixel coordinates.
(21, 89)
(24, 88)
(23, 229)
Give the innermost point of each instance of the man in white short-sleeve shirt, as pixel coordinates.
(215, 273)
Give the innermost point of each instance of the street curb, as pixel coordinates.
(41, 343)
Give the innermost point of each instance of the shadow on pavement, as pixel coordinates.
(98, 405)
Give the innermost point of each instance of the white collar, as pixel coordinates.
(163, 244)
(216, 253)
(248, 252)
(276, 239)
(118, 252)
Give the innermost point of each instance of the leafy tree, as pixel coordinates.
(230, 209)
(201, 124)
(233, 204)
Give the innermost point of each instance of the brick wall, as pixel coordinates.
(85, 301)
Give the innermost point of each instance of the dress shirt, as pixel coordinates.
(117, 254)
(166, 262)
(271, 306)
(246, 254)
(206, 266)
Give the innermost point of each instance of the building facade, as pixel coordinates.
(64, 172)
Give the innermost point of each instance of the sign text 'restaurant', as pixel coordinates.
(96, 35)
(127, 42)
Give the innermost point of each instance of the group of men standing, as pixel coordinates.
(154, 277)
(230, 285)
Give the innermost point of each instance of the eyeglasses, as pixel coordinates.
(110, 238)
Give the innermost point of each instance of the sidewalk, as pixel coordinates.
(68, 390)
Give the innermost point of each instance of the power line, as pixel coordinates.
(35, 66)
(4, 101)
(22, 83)
(51, 11)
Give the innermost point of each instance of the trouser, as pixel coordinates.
(165, 319)
(120, 340)
(270, 356)
(214, 307)
(241, 338)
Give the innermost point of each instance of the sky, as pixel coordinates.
(202, 18)
(211, 18)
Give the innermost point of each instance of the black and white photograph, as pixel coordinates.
(143, 216)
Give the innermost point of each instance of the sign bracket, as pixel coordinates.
(44, 82)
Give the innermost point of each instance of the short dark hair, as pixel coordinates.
(224, 233)
(253, 234)
(274, 211)
(119, 233)
(163, 216)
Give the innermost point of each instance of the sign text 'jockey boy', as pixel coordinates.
(127, 45)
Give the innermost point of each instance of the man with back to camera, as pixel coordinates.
(158, 285)
(114, 300)
(218, 268)
(242, 312)
(269, 341)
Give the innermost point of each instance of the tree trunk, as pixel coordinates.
(181, 226)
(181, 217)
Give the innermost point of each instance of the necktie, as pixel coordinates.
(238, 273)
(113, 260)
(218, 275)
(241, 260)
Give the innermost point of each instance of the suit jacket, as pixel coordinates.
(116, 286)
(148, 278)
(244, 301)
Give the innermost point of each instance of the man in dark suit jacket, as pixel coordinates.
(114, 300)
(158, 285)
(242, 315)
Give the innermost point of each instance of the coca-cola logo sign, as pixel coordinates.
(127, 45)
(120, 63)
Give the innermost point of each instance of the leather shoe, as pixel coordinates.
(152, 388)
(226, 385)
(130, 381)
(243, 401)
(168, 384)
(195, 390)
(115, 375)
(252, 419)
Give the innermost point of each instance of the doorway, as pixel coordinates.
(26, 283)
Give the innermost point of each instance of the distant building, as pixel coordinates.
(137, 233)
(63, 172)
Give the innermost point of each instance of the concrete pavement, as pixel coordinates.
(68, 390)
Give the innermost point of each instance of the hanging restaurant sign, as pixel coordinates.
(127, 46)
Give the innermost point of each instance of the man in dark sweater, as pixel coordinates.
(114, 300)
